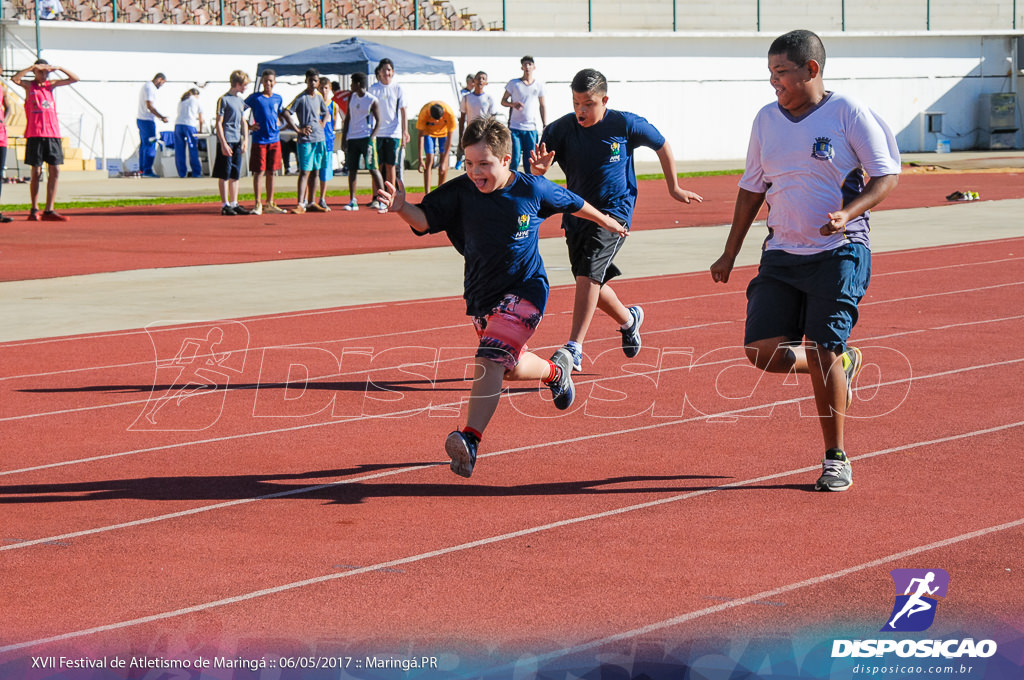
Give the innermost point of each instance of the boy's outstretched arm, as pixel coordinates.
(589, 212)
(668, 168)
(747, 205)
(874, 192)
(393, 198)
(541, 159)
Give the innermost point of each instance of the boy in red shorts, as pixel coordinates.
(492, 216)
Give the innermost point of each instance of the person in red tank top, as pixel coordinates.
(42, 133)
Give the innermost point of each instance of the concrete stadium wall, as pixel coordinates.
(700, 89)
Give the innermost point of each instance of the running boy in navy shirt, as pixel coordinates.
(492, 215)
(810, 155)
(594, 147)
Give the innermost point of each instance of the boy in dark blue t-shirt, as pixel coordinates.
(594, 147)
(492, 216)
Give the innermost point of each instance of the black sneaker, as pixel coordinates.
(4, 219)
(461, 448)
(836, 473)
(631, 336)
(563, 392)
(228, 210)
(239, 210)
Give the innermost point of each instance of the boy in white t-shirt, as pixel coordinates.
(527, 117)
(393, 133)
(359, 134)
(821, 160)
(476, 104)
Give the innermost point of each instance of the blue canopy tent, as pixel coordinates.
(357, 55)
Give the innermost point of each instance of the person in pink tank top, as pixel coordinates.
(5, 116)
(42, 133)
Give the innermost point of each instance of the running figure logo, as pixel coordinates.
(914, 609)
(194, 369)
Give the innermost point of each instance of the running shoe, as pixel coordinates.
(836, 474)
(33, 215)
(4, 219)
(53, 216)
(323, 204)
(563, 392)
(375, 205)
(853, 360)
(352, 206)
(274, 209)
(227, 210)
(316, 207)
(239, 210)
(577, 358)
(462, 450)
(258, 210)
(299, 209)
(631, 336)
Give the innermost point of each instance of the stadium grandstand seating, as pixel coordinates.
(393, 15)
(544, 15)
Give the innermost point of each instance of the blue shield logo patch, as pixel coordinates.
(917, 593)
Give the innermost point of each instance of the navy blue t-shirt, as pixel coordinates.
(598, 160)
(498, 235)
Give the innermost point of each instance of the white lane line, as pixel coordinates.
(336, 310)
(528, 448)
(407, 412)
(363, 372)
(390, 564)
(757, 597)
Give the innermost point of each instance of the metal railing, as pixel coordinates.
(81, 121)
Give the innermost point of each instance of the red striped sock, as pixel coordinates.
(553, 372)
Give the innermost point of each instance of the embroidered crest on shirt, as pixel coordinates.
(524, 227)
(616, 152)
(822, 149)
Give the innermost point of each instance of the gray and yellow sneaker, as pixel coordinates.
(631, 336)
(836, 474)
(461, 448)
(563, 392)
(853, 360)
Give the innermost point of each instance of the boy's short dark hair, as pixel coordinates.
(382, 63)
(268, 72)
(335, 86)
(590, 81)
(436, 111)
(159, 76)
(526, 60)
(799, 47)
(492, 132)
(312, 73)
(480, 73)
(358, 79)
(40, 62)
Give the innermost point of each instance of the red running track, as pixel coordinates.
(115, 239)
(306, 506)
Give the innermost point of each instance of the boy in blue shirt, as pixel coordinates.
(492, 215)
(266, 156)
(594, 147)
